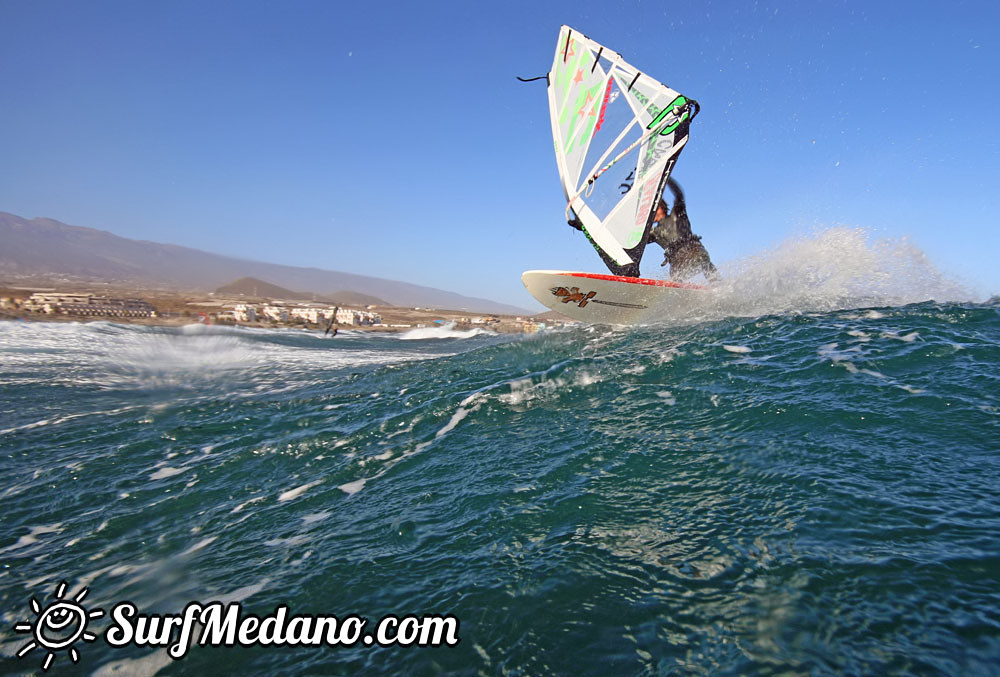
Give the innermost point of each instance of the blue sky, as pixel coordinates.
(394, 140)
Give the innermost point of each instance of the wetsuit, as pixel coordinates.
(682, 249)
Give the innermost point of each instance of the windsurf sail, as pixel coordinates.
(617, 134)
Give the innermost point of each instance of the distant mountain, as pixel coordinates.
(251, 287)
(44, 247)
(254, 288)
(353, 298)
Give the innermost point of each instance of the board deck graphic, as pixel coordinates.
(611, 299)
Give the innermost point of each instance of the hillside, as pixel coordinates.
(254, 288)
(353, 298)
(251, 287)
(45, 247)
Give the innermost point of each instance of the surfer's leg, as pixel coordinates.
(631, 270)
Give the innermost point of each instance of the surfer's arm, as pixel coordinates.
(680, 207)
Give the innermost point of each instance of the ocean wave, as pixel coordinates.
(445, 331)
(804, 489)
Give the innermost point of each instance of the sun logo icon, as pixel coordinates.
(58, 626)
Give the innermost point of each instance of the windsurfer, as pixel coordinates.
(682, 249)
(333, 320)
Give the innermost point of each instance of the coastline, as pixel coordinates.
(501, 328)
(178, 310)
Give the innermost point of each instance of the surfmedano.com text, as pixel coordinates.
(227, 625)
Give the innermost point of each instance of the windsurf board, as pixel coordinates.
(611, 299)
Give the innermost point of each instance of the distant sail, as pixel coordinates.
(617, 135)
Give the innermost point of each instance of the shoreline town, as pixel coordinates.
(167, 308)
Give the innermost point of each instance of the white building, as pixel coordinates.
(313, 314)
(345, 316)
(244, 312)
(88, 305)
(355, 317)
(51, 302)
(276, 313)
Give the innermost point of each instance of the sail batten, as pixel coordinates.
(617, 133)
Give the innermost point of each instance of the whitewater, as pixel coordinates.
(802, 478)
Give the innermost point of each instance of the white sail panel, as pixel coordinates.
(617, 133)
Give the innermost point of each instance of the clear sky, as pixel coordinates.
(392, 139)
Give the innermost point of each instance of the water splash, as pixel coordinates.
(832, 269)
(445, 331)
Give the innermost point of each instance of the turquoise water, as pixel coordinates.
(786, 494)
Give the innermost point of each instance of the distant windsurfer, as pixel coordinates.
(682, 249)
(330, 328)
